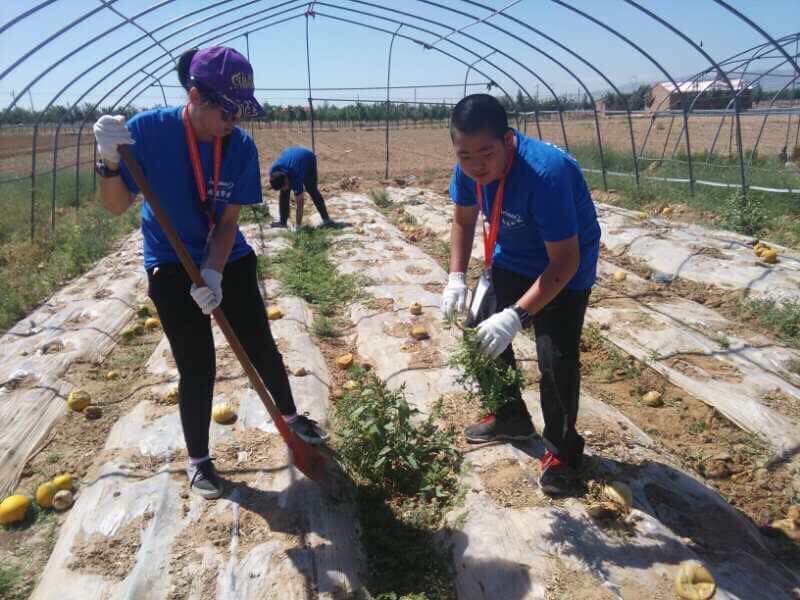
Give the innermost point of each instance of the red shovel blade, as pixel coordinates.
(308, 459)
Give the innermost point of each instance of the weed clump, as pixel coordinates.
(486, 379)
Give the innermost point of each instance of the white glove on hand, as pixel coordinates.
(209, 296)
(454, 296)
(496, 332)
(111, 132)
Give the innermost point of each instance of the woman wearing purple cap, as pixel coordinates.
(203, 168)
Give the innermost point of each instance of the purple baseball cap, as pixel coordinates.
(227, 78)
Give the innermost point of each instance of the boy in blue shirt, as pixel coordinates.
(293, 170)
(543, 266)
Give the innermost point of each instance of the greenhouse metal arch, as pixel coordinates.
(501, 65)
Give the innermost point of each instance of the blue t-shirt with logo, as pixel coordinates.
(545, 200)
(295, 162)
(163, 154)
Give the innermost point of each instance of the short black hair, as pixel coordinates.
(277, 180)
(479, 112)
(184, 62)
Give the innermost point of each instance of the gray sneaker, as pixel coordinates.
(308, 430)
(492, 428)
(204, 481)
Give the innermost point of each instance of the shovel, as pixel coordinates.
(308, 459)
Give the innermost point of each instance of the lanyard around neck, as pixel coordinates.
(490, 236)
(197, 166)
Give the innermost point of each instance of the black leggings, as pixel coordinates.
(558, 335)
(310, 185)
(189, 333)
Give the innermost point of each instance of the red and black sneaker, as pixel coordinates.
(557, 477)
(493, 428)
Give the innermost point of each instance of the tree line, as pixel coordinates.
(638, 99)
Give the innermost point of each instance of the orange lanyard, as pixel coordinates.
(197, 166)
(490, 236)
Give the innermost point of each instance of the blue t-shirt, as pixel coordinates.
(163, 154)
(295, 162)
(545, 200)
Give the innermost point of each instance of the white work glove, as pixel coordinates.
(454, 296)
(209, 296)
(111, 132)
(496, 332)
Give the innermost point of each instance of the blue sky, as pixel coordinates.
(343, 54)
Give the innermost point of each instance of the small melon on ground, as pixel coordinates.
(172, 395)
(274, 313)
(415, 308)
(45, 493)
(418, 332)
(345, 361)
(653, 398)
(769, 256)
(63, 500)
(619, 275)
(223, 413)
(619, 493)
(152, 324)
(78, 400)
(63, 482)
(694, 582)
(13, 509)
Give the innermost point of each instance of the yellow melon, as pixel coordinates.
(415, 308)
(223, 413)
(653, 398)
(418, 332)
(63, 482)
(694, 582)
(769, 256)
(13, 509)
(345, 361)
(619, 276)
(78, 400)
(45, 493)
(274, 313)
(152, 324)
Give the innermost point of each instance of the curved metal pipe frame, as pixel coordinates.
(262, 14)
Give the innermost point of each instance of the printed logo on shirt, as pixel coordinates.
(512, 220)
(224, 191)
